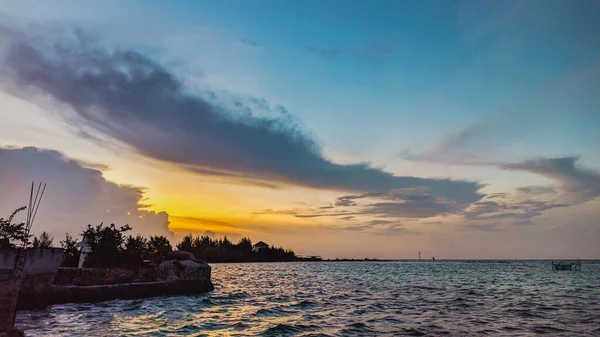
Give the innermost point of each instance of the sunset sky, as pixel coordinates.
(461, 129)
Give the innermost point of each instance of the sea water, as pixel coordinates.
(352, 299)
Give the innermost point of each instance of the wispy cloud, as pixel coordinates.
(579, 184)
(400, 203)
(130, 97)
(536, 190)
(520, 211)
(368, 53)
(326, 52)
(374, 227)
(250, 43)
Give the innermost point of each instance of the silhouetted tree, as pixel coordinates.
(245, 245)
(43, 241)
(11, 232)
(186, 244)
(225, 243)
(135, 251)
(244, 248)
(158, 246)
(106, 245)
(223, 250)
(70, 257)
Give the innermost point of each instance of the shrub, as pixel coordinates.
(43, 241)
(11, 232)
(70, 257)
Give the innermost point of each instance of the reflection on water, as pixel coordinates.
(351, 298)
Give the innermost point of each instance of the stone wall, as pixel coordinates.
(94, 285)
(97, 276)
(98, 293)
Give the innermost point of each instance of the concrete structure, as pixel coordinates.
(74, 285)
(28, 280)
(29, 270)
(40, 266)
(11, 265)
(259, 245)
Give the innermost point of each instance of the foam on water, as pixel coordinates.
(351, 298)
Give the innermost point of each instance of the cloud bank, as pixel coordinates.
(130, 97)
(75, 195)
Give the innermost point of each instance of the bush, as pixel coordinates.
(11, 232)
(135, 251)
(70, 257)
(106, 245)
(43, 241)
(157, 247)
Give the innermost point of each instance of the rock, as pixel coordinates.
(183, 270)
(179, 255)
(12, 333)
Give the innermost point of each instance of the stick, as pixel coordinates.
(33, 206)
(29, 207)
(38, 206)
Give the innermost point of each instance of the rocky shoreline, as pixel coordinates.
(89, 285)
(56, 294)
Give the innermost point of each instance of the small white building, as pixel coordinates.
(85, 249)
(259, 245)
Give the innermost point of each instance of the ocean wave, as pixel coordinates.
(343, 299)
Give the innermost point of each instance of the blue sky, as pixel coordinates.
(398, 73)
(456, 89)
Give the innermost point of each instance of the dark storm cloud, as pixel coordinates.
(128, 96)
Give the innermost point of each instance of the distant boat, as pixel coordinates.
(566, 265)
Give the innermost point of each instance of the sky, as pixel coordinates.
(350, 129)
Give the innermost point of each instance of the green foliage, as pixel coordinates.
(70, 257)
(11, 232)
(43, 241)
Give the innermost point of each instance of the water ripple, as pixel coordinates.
(351, 298)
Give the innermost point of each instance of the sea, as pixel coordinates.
(400, 298)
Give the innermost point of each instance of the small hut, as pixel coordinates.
(259, 245)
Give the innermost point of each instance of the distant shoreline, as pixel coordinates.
(415, 260)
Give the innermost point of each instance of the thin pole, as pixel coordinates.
(37, 193)
(29, 207)
(38, 206)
